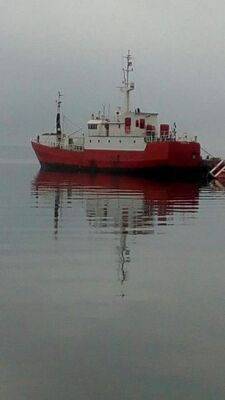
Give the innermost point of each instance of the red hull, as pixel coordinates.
(170, 154)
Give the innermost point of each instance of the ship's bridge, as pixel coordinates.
(94, 124)
(129, 123)
(98, 127)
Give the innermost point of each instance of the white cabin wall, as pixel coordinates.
(115, 143)
(117, 128)
(150, 119)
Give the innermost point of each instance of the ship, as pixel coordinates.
(130, 141)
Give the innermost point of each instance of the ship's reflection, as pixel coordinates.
(117, 204)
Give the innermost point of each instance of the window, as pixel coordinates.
(92, 126)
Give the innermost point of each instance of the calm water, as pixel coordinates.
(111, 287)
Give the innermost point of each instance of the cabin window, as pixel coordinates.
(137, 123)
(134, 141)
(108, 141)
(92, 126)
(142, 123)
(90, 141)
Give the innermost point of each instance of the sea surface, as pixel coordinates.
(111, 287)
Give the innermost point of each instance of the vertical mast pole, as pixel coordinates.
(58, 116)
(127, 83)
(127, 86)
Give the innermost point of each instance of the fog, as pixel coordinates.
(76, 47)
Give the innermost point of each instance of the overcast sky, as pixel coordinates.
(77, 47)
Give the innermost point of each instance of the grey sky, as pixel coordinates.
(76, 46)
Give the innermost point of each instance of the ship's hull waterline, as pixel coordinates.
(158, 156)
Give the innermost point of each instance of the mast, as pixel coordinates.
(58, 116)
(127, 85)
